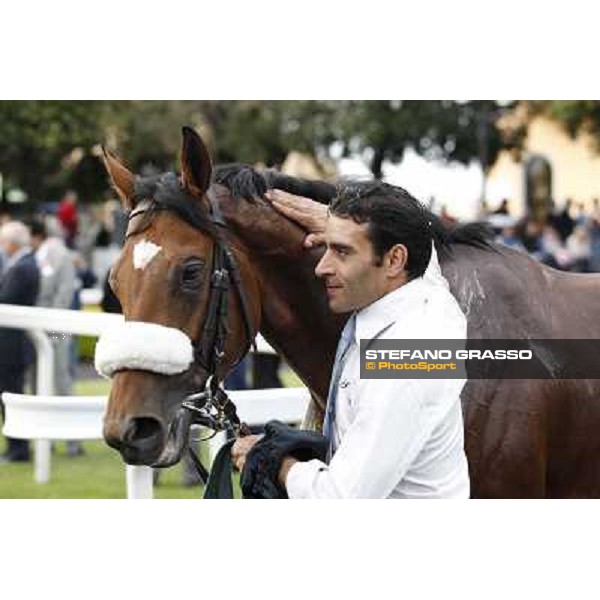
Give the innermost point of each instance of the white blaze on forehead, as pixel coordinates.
(143, 253)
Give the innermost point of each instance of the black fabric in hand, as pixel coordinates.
(260, 476)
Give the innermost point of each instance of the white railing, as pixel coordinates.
(66, 418)
(81, 418)
(77, 322)
(38, 322)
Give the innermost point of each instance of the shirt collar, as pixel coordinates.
(373, 319)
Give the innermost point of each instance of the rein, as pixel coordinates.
(211, 407)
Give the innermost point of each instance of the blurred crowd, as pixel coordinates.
(47, 260)
(569, 240)
(91, 235)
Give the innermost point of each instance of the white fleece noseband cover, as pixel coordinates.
(143, 346)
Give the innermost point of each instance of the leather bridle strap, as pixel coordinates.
(210, 349)
(224, 272)
(212, 407)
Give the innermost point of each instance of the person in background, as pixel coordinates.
(563, 222)
(554, 253)
(510, 238)
(596, 210)
(19, 284)
(530, 234)
(579, 247)
(57, 290)
(581, 217)
(67, 215)
(503, 208)
(105, 252)
(118, 218)
(109, 303)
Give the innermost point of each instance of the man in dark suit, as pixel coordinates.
(19, 284)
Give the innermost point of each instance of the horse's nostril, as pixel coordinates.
(141, 428)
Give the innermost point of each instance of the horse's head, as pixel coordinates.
(183, 321)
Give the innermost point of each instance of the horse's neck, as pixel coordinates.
(295, 318)
(297, 322)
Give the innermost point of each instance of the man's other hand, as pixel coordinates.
(240, 449)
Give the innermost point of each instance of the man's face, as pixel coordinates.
(348, 266)
(7, 247)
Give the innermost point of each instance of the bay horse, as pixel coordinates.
(523, 438)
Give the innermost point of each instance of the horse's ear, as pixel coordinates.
(121, 177)
(196, 167)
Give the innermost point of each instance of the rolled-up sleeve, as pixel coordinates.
(393, 422)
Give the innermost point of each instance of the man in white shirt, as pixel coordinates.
(390, 438)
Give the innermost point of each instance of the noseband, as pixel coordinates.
(212, 407)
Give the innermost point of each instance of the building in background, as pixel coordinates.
(552, 166)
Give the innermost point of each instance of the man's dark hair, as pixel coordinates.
(393, 217)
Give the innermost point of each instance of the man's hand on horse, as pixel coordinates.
(309, 214)
(240, 450)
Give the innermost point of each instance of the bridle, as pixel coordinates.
(211, 407)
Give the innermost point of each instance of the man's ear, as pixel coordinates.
(196, 166)
(395, 260)
(121, 177)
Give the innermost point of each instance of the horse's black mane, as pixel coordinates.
(242, 181)
(245, 182)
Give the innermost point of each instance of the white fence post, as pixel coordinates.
(44, 387)
(140, 482)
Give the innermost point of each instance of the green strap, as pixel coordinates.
(219, 484)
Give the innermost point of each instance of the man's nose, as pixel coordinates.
(324, 267)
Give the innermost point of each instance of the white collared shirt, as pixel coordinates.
(395, 438)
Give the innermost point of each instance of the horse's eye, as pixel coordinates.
(191, 273)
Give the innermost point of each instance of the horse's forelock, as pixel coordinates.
(166, 191)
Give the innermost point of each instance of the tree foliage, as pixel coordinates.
(436, 129)
(576, 115)
(37, 139)
(46, 146)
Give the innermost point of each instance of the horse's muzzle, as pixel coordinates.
(177, 439)
(140, 440)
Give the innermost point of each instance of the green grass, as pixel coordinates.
(99, 473)
(92, 387)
